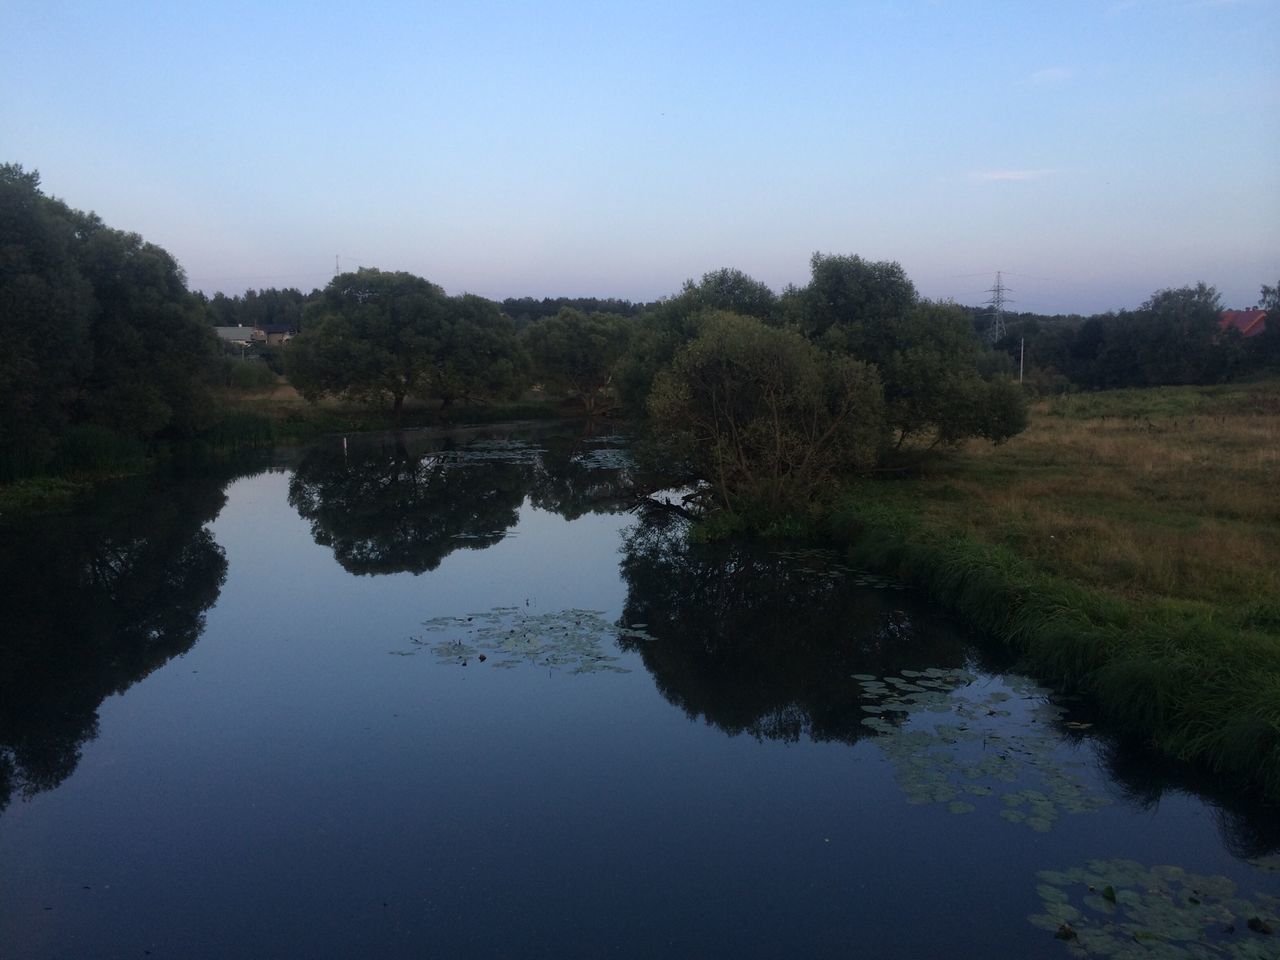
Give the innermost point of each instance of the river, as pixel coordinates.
(454, 697)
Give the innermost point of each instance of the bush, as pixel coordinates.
(250, 374)
(766, 418)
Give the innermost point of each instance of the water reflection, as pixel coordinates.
(780, 647)
(94, 601)
(389, 510)
(405, 504)
(577, 475)
(766, 644)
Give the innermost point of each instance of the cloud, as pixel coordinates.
(1012, 175)
(1050, 77)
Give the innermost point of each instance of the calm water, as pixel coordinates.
(452, 699)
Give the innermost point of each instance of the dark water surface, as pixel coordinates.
(453, 699)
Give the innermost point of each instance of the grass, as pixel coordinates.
(38, 495)
(1129, 544)
(293, 418)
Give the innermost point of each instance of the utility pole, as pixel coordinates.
(336, 269)
(997, 303)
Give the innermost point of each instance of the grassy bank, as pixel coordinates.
(288, 417)
(246, 420)
(1129, 545)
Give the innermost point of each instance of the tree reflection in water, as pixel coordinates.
(404, 506)
(762, 643)
(758, 642)
(94, 601)
(387, 510)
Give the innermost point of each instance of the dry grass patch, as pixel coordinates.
(1179, 501)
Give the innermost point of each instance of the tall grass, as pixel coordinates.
(1136, 558)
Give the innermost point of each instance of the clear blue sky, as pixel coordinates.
(1096, 150)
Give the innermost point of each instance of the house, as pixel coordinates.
(235, 336)
(272, 333)
(1250, 323)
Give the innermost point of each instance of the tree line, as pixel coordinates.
(766, 398)
(1173, 338)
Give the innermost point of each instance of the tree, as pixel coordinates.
(370, 337)
(153, 354)
(98, 329)
(928, 362)
(1266, 346)
(846, 290)
(479, 354)
(46, 308)
(374, 336)
(578, 353)
(767, 419)
(670, 324)
(1180, 340)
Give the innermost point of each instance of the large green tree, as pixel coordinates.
(929, 360)
(671, 323)
(46, 309)
(98, 329)
(375, 336)
(845, 290)
(479, 353)
(577, 353)
(766, 419)
(372, 336)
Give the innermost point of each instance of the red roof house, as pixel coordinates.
(1250, 323)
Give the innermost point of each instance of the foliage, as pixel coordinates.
(479, 356)
(98, 327)
(257, 308)
(371, 336)
(1173, 338)
(578, 353)
(668, 325)
(848, 290)
(526, 310)
(767, 419)
(1265, 347)
(374, 336)
(928, 361)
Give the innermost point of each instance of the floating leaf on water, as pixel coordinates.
(570, 638)
(1129, 910)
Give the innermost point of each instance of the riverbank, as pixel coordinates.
(1128, 544)
(288, 417)
(246, 420)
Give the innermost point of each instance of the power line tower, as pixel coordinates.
(997, 330)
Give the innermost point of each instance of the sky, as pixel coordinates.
(1094, 151)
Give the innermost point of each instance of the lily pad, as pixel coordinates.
(573, 639)
(1127, 910)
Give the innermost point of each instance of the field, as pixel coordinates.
(1129, 544)
(1157, 494)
